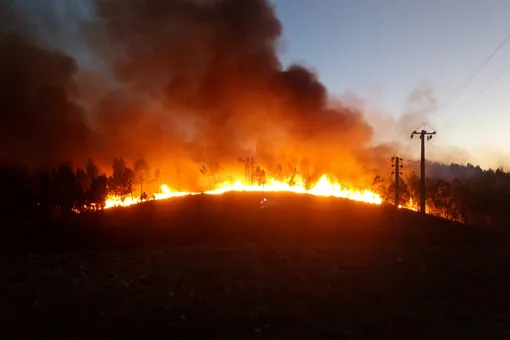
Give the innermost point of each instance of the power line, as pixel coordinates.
(425, 126)
(489, 85)
(470, 78)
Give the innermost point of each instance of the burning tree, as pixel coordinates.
(92, 169)
(260, 176)
(207, 173)
(68, 191)
(157, 177)
(294, 174)
(279, 172)
(98, 190)
(381, 187)
(440, 196)
(121, 182)
(249, 169)
(141, 174)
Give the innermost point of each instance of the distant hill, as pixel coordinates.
(446, 172)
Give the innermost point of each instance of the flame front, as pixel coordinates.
(410, 205)
(324, 187)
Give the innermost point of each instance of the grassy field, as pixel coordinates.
(221, 267)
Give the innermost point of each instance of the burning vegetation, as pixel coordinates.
(192, 87)
(184, 85)
(255, 180)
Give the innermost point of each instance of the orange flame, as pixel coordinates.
(409, 206)
(324, 187)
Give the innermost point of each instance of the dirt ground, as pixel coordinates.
(250, 292)
(302, 280)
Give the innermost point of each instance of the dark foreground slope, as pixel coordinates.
(306, 268)
(238, 219)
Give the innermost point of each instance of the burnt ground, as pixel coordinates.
(221, 268)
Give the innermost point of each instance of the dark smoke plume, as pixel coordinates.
(40, 122)
(213, 67)
(181, 84)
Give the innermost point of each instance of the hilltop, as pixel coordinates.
(237, 218)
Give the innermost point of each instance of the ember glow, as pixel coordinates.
(410, 205)
(324, 187)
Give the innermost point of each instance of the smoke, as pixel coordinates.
(212, 71)
(178, 84)
(41, 122)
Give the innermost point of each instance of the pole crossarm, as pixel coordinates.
(423, 133)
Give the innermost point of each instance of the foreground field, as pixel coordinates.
(221, 267)
(253, 292)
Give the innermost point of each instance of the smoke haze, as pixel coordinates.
(41, 122)
(180, 84)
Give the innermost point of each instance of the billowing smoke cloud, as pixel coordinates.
(41, 124)
(208, 71)
(182, 83)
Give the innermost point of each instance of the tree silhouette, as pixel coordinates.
(403, 192)
(477, 196)
(260, 176)
(381, 187)
(157, 177)
(142, 173)
(441, 198)
(92, 169)
(413, 186)
(121, 182)
(249, 169)
(143, 197)
(292, 179)
(98, 190)
(206, 172)
(68, 192)
(279, 173)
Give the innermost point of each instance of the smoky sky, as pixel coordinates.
(198, 82)
(41, 124)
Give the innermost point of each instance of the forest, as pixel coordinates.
(456, 192)
(66, 190)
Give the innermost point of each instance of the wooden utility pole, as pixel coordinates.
(423, 190)
(397, 164)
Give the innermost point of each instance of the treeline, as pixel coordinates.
(448, 172)
(475, 196)
(64, 189)
(256, 174)
(481, 199)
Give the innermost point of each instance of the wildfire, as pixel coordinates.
(410, 205)
(324, 187)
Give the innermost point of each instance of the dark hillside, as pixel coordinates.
(223, 268)
(237, 218)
